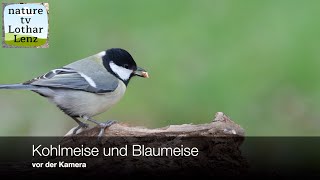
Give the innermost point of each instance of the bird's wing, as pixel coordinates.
(69, 78)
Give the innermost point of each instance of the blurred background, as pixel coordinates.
(256, 61)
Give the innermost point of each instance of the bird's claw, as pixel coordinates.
(81, 125)
(103, 126)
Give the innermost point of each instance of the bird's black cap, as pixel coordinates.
(120, 57)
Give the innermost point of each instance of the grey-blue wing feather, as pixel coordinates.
(69, 78)
(98, 73)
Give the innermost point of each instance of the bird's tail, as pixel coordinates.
(18, 86)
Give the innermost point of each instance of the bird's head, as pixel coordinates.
(121, 64)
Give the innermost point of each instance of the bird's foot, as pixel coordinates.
(105, 125)
(81, 126)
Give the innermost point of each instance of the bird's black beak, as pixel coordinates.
(141, 72)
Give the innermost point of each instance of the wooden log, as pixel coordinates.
(221, 125)
(217, 143)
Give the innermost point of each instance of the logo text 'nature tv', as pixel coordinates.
(26, 25)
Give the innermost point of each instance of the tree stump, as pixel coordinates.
(218, 144)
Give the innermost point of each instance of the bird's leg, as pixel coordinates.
(81, 125)
(103, 125)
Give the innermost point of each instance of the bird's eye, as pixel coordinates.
(126, 66)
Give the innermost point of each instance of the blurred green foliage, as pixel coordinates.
(256, 61)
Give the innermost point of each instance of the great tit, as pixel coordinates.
(87, 87)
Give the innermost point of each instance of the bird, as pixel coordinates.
(87, 87)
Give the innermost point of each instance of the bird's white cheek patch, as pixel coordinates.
(122, 72)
